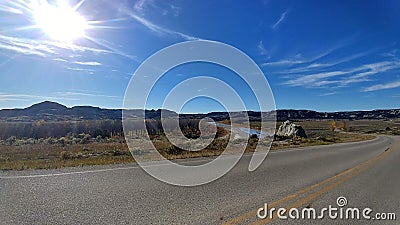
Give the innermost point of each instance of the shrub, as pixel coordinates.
(64, 155)
(62, 141)
(174, 150)
(50, 141)
(10, 141)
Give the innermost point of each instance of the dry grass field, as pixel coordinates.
(48, 153)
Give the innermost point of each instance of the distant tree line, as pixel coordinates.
(94, 128)
(43, 129)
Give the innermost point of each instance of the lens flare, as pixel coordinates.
(59, 21)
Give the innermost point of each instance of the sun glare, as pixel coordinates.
(60, 22)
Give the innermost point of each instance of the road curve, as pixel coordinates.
(366, 173)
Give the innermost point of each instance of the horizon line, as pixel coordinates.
(104, 108)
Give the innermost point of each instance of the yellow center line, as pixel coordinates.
(309, 198)
(250, 214)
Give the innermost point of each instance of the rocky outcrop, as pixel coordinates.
(289, 129)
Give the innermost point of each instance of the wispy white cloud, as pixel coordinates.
(81, 69)
(321, 61)
(55, 96)
(281, 19)
(378, 87)
(14, 7)
(286, 62)
(345, 77)
(8, 9)
(393, 53)
(91, 63)
(314, 80)
(328, 71)
(351, 80)
(261, 48)
(83, 63)
(298, 60)
(309, 65)
(316, 65)
(161, 7)
(174, 9)
(25, 46)
(60, 60)
(371, 69)
(328, 94)
(139, 5)
(30, 97)
(85, 94)
(159, 29)
(43, 48)
(25, 51)
(109, 46)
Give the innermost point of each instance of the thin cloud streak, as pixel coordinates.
(71, 93)
(378, 87)
(55, 96)
(314, 80)
(281, 19)
(25, 46)
(142, 6)
(14, 7)
(91, 71)
(261, 48)
(158, 29)
(321, 66)
(42, 48)
(87, 63)
(29, 97)
(295, 61)
(283, 63)
(83, 63)
(318, 61)
(329, 93)
(112, 49)
(25, 51)
(357, 74)
(139, 5)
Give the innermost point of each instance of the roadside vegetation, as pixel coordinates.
(46, 153)
(102, 142)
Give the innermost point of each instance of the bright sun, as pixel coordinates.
(60, 22)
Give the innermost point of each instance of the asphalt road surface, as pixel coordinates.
(365, 173)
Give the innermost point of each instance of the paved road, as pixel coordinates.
(365, 173)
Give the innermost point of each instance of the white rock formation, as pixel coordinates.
(289, 129)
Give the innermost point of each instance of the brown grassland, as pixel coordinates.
(50, 153)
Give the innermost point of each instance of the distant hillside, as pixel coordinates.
(53, 111)
(292, 114)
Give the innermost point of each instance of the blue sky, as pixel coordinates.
(319, 55)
